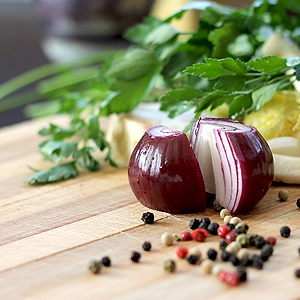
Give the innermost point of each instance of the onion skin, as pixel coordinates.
(164, 173)
(243, 158)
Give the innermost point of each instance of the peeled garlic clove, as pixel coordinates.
(287, 169)
(285, 145)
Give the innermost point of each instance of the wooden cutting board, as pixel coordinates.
(49, 233)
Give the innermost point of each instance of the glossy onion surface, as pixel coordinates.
(164, 173)
(235, 160)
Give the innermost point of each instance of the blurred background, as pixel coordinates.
(37, 32)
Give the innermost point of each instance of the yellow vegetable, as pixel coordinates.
(278, 117)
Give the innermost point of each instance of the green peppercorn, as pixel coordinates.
(106, 261)
(135, 256)
(95, 266)
(285, 231)
(243, 240)
(147, 246)
(217, 206)
(170, 265)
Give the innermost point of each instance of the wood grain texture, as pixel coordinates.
(49, 234)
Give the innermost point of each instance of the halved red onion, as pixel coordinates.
(235, 160)
(164, 173)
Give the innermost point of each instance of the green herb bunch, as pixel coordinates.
(219, 62)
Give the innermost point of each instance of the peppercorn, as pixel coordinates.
(242, 225)
(246, 261)
(285, 231)
(225, 255)
(135, 256)
(195, 251)
(266, 252)
(186, 236)
(224, 212)
(299, 251)
(223, 230)
(212, 254)
(223, 245)
(213, 228)
(227, 219)
(194, 223)
(238, 231)
(257, 262)
(234, 260)
(167, 239)
(243, 240)
(242, 253)
(147, 246)
(231, 226)
(271, 240)
(230, 237)
(235, 221)
(182, 252)
(207, 266)
(259, 242)
(199, 234)
(234, 247)
(297, 273)
(217, 206)
(217, 269)
(252, 238)
(192, 259)
(95, 266)
(148, 217)
(170, 265)
(242, 274)
(298, 203)
(230, 278)
(106, 261)
(205, 221)
(176, 237)
(283, 195)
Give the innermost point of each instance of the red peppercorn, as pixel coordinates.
(199, 234)
(182, 252)
(223, 230)
(271, 240)
(230, 278)
(186, 236)
(230, 237)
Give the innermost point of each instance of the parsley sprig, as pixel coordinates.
(219, 62)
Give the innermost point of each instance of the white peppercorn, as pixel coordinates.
(283, 195)
(217, 269)
(243, 253)
(167, 239)
(233, 247)
(195, 251)
(235, 221)
(207, 266)
(224, 212)
(227, 219)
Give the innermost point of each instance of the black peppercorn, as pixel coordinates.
(297, 273)
(223, 245)
(135, 256)
(213, 228)
(257, 262)
(147, 246)
(234, 260)
(225, 255)
(105, 261)
(299, 251)
(205, 221)
(231, 226)
(266, 252)
(239, 230)
(212, 254)
(246, 261)
(194, 223)
(298, 203)
(259, 242)
(285, 231)
(242, 274)
(252, 238)
(193, 259)
(148, 217)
